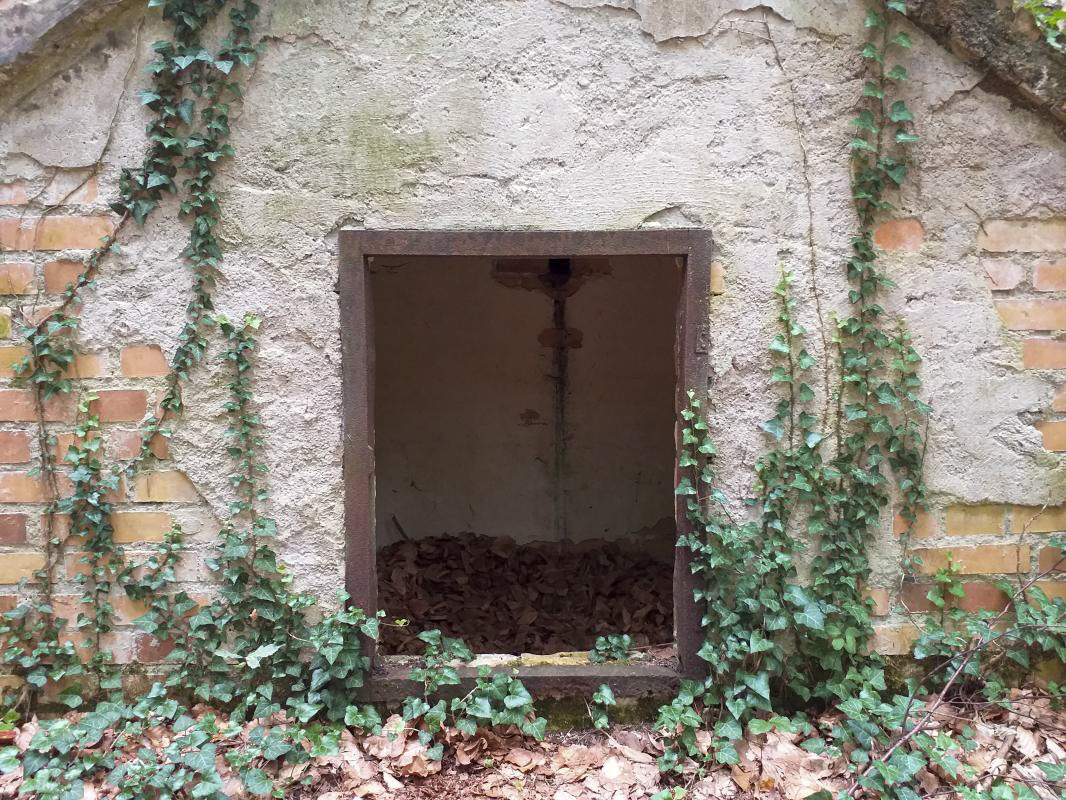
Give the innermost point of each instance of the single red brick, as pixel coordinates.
(125, 444)
(924, 525)
(1003, 274)
(1020, 314)
(8, 602)
(1022, 235)
(899, 235)
(17, 405)
(12, 529)
(976, 597)
(1050, 277)
(14, 447)
(148, 649)
(21, 487)
(1044, 354)
(1059, 401)
(983, 559)
(1054, 434)
(143, 361)
(120, 405)
(16, 278)
(58, 275)
(54, 233)
(1051, 559)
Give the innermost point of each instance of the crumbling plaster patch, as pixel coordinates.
(539, 114)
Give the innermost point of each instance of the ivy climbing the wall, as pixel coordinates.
(261, 680)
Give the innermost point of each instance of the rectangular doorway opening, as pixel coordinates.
(515, 401)
(524, 448)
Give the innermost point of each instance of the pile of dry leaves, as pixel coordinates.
(619, 764)
(542, 597)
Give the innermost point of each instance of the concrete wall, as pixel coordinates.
(730, 115)
(466, 424)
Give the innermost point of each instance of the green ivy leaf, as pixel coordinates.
(257, 782)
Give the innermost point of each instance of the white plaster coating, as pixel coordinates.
(537, 114)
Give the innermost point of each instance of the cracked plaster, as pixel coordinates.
(569, 115)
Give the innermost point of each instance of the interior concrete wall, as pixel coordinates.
(465, 420)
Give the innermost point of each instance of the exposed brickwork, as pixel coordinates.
(10, 355)
(16, 566)
(143, 361)
(16, 278)
(899, 235)
(717, 277)
(1050, 558)
(1053, 589)
(881, 600)
(976, 597)
(1044, 354)
(58, 275)
(1058, 403)
(1024, 314)
(164, 487)
(5, 322)
(17, 405)
(981, 560)
(86, 365)
(13, 194)
(54, 233)
(978, 519)
(924, 525)
(1003, 274)
(140, 526)
(21, 487)
(12, 529)
(120, 405)
(894, 640)
(147, 649)
(14, 447)
(1022, 235)
(1034, 519)
(1050, 277)
(125, 444)
(1054, 433)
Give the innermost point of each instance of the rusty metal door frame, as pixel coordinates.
(694, 249)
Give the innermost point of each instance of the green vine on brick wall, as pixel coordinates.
(769, 635)
(191, 87)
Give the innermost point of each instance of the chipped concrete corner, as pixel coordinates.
(730, 115)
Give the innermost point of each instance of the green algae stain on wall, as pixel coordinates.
(384, 152)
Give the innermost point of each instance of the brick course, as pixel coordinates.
(120, 405)
(17, 405)
(16, 566)
(12, 529)
(164, 487)
(1022, 314)
(981, 560)
(978, 519)
(1044, 354)
(14, 447)
(58, 275)
(899, 235)
(976, 597)
(16, 278)
(1022, 235)
(54, 233)
(143, 361)
(1050, 277)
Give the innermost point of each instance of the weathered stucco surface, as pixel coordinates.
(731, 116)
